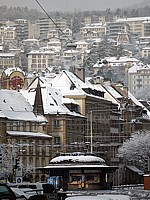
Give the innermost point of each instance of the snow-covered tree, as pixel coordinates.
(137, 148)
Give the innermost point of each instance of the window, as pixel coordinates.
(33, 60)
(56, 123)
(57, 140)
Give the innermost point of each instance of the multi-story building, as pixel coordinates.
(145, 52)
(8, 33)
(9, 60)
(53, 34)
(21, 29)
(33, 30)
(138, 77)
(92, 104)
(46, 25)
(62, 114)
(99, 19)
(146, 28)
(143, 41)
(135, 23)
(23, 134)
(92, 31)
(82, 45)
(39, 60)
(113, 28)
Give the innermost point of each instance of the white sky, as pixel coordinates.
(72, 5)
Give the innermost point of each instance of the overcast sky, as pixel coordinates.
(72, 5)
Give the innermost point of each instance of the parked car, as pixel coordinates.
(34, 189)
(6, 193)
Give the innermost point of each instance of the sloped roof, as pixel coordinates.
(14, 106)
(113, 92)
(28, 134)
(53, 101)
(67, 79)
(138, 103)
(110, 94)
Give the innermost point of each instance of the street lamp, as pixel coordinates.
(91, 130)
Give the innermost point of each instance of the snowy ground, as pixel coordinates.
(121, 194)
(100, 197)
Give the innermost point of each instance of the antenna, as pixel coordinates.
(52, 20)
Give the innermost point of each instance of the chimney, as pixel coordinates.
(125, 89)
(80, 72)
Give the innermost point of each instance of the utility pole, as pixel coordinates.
(91, 130)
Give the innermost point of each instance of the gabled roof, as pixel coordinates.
(109, 93)
(14, 106)
(52, 99)
(71, 85)
(113, 92)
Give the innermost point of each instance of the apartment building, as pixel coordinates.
(9, 60)
(92, 31)
(146, 28)
(21, 28)
(39, 60)
(99, 19)
(113, 28)
(138, 77)
(23, 133)
(143, 41)
(145, 52)
(46, 25)
(7, 33)
(81, 45)
(53, 34)
(135, 23)
(33, 30)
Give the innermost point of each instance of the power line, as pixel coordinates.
(52, 20)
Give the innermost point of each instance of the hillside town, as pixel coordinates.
(72, 94)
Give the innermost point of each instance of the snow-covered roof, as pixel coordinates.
(14, 106)
(81, 42)
(132, 19)
(136, 102)
(135, 169)
(137, 67)
(28, 134)
(123, 59)
(40, 52)
(78, 158)
(108, 95)
(10, 70)
(67, 79)
(53, 101)
(146, 48)
(71, 51)
(7, 55)
(113, 92)
(31, 39)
